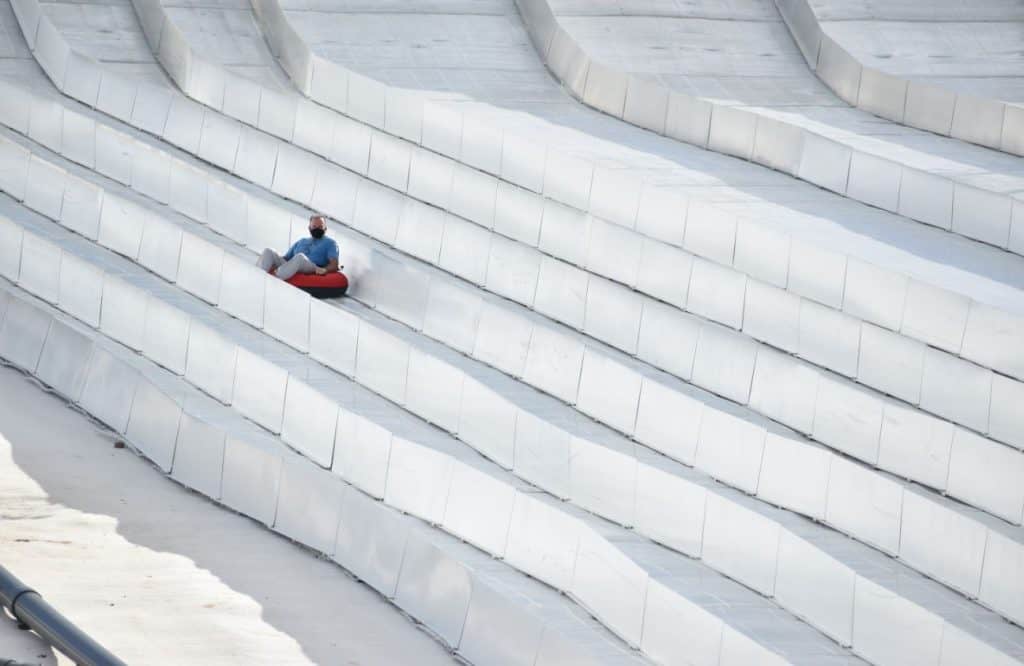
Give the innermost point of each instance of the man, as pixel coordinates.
(316, 254)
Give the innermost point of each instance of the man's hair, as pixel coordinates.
(323, 219)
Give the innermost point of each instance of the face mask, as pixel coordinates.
(316, 233)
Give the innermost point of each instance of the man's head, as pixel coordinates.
(317, 226)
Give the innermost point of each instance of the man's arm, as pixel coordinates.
(331, 267)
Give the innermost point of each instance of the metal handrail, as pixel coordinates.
(28, 607)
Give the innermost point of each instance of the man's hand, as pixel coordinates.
(321, 271)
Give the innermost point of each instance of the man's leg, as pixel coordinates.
(269, 259)
(300, 263)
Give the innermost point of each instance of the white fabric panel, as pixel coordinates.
(242, 98)
(892, 629)
(40, 267)
(277, 113)
(562, 232)
(915, 445)
(371, 541)
(419, 479)
(717, 293)
(165, 339)
(875, 294)
(741, 544)
(613, 314)
(610, 585)
(314, 127)
(442, 129)
(188, 190)
(710, 233)
(361, 452)
(615, 196)
(977, 119)
(518, 213)
(250, 478)
(403, 114)
(943, 543)
(816, 273)
(332, 337)
(16, 108)
(512, 270)
(677, 631)
(310, 419)
(80, 211)
(1002, 579)
(777, 144)
(724, 362)
(731, 448)
(329, 84)
(603, 480)
(259, 390)
(82, 82)
(784, 389)
(929, 107)
(79, 139)
(561, 292)
(522, 162)
(378, 211)
(488, 423)
(400, 289)
(52, 51)
(382, 363)
(772, 315)
(46, 123)
(669, 421)
(732, 131)
(554, 363)
(497, 632)
(664, 272)
(434, 390)
(81, 289)
(200, 267)
(389, 161)
(956, 389)
(151, 172)
(668, 338)
(366, 99)
(153, 425)
(44, 187)
(219, 140)
(605, 89)
(1006, 420)
(420, 231)
(848, 417)
(109, 388)
(351, 145)
(453, 315)
(614, 252)
(891, 363)
(670, 510)
(567, 179)
(473, 195)
(838, 69)
(935, 316)
(335, 192)
(206, 83)
(11, 237)
(64, 359)
(987, 475)
(465, 249)
(542, 541)
(184, 124)
(865, 504)
(608, 391)
(210, 364)
(286, 314)
(762, 253)
(825, 163)
(430, 177)
(995, 338)
(227, 210)
(503, 339)
(479, 509)
(813, 585)
(122, 312)
(267, 225)
(309, 505)
(237, 295)
(199, 456)
(961, 647)
(874, 180)
(794, 474)
(662, 215)
(121, 224)
(927, 197)
(257, 157)
(434, 588)
(295, 174)
(23, 334)
(14, 162)
(829, 338)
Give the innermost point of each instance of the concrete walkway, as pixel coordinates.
(157, 573)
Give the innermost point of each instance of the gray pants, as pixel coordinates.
(300, 263)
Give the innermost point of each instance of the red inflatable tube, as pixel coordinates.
(330, 285)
